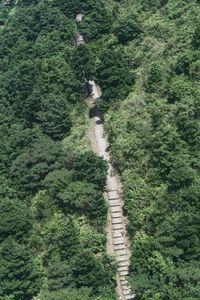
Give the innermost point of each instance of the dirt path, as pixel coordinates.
(117, 240)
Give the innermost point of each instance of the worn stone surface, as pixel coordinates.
(118, 226)
(117, 221)
(118, 241)
(116, 209)
(113, 195)
(115, 202)
(115, 205)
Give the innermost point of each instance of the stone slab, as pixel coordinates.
(129, 297)
(119, 247)
(116, 209)
(118, 241)
(123, 273)
(113, 195)
(121, 252)
(123, 263)
(125, 268)
(122, 258)
(127, 292)
(117, 221)
(116, 215)
(124, 282)
(118, 226)
(115, 203)
(117, 233)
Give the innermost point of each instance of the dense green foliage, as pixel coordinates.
(53, 213)
(145, 56)
(154, 136)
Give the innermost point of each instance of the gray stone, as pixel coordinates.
(121, 252)
(116, 215)
(115, 203)
(115, 209)
(123, 273)
(118, 241)
(117, 233)
(117, 221)
(129, 297)
(123, 263)
(119, 247)
(113, 195)
(122, 258)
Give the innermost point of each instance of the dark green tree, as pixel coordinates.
(20, 273)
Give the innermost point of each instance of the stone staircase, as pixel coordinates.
(119, 232)
(119, 235)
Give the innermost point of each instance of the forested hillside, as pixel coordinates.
(155, 140)
(145, 55)
(53, 214)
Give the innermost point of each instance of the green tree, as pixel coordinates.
(20, 273)
(61, 237)
(54, 117)
(15, 219)
(88, 166)
(84, 198)
(30, 168)
(128, 28)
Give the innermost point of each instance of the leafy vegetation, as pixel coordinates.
(145, 56)
(154, 138)
(53, 213)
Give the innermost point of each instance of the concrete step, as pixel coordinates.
(117, 233)
(123, 278)
(122, 258)
(124, 282)
(121, 252)
(118, 241)
(123, 273)
(119, 247)
(115, 209)
(118, 226)
(115, 203)
(127, 292)
(113, 195)
(117, 221)
(129, 297)
(116, 215)
(124, 268)
(126, 287)
(123, 263)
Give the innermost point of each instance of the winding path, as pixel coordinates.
(117, 226)
(117, 233)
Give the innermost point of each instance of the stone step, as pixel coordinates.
(113, 195)
(129, 297)
(127, 292)
(123, 263)
(117, 214)
(124, 282)
(126, 287)
(117, 221)
(117, 233)
(115, 209)
(121, 252)
(124, 268)
(118, 226)
(118, 241)
(123, 273)
(119, 247)
(122, 278)
(122, 258)
(115, 203)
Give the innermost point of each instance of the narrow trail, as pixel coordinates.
(118, 243)
(117, 239)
